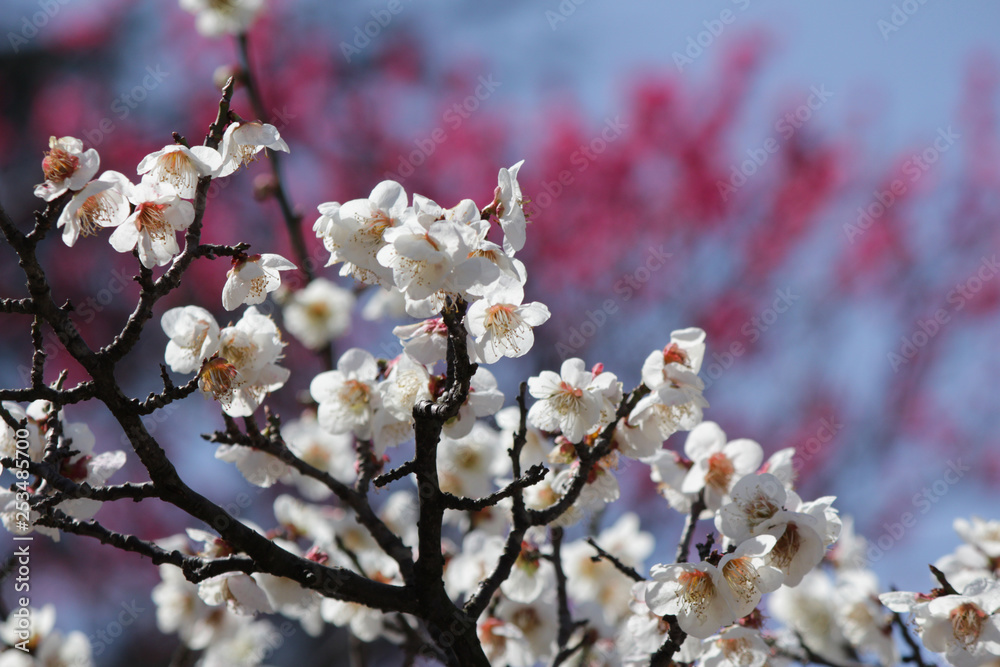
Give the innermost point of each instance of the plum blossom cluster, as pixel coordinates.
(489, 528)
(146, 216)
(960, 619)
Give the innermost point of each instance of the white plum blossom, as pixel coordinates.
(425, 341)
(242, 141)
(756, 499)
(504, 643)
(716, 464)
(407, 383)
(252, 278)
(981, 534)
(319, 313)
(246, 368)
(509, 210)
(159, 214)
(237, 592)
(691, 592)
(571, 402)
(965, 627)
(100, 203)
(194, 337)
(748, 575)
(348, 396)
(465, 464)
(430, 251)
(735, 646)
(484, 399)
(180, 166)
(500, 325)
(66, 166)
(677, 364)
(353, 232)
(866, 624)
(215, 18)
(331, 453)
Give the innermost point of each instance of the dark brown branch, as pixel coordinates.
(565, 619)
(274, 445)
(915, 656)
(945, 586)
(697, 507)
(169, 394)
(588, 459)
(675, 637)
(396, 473)
(82, 392)
(477, 604)
(533, 476)
(293, 221)
(20, 306)
(620, 566)
(195, 569)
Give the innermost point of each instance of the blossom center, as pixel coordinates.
(967, 622)
(152, 219)
(743, 579)
(354, 394)
(720, 471)
(219, 378)
(97, 211)
(177, 169)
(786, 547)
(697, 590)
(58, 165)
(672, 354)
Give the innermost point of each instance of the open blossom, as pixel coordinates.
(678, 363)
(692, 593)
(705, 597)
(159, 214)
(194, 337)
(223, 17)
(252, 278)
(347, 396)
(319, 313)
(353, 231)
(425, 341)
(965, 628)
(101, 203)
(246, 368)
(242, 141)
(717, 465)
(501, 325)
(180, 166)
(431, 251)
(66, 166)
(572, 402)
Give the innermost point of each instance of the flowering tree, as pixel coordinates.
(474, 567)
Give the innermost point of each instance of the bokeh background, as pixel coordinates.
(823, 176)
